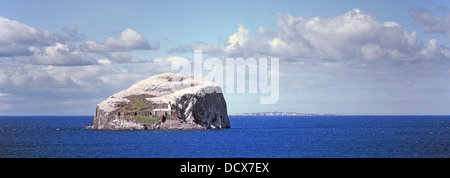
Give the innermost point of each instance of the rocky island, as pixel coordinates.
(164, 102)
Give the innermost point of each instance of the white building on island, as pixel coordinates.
(163, 111)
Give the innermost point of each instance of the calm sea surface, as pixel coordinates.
(261, 137)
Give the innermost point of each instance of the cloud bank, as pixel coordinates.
(22, 43)
(356, 36)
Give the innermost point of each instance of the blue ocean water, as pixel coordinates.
(260, 137)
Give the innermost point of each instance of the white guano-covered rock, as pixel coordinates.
(195, 104)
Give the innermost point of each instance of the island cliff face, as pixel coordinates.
(168, 102)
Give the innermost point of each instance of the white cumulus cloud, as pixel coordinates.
(431, 23)
(16, 38)
(122, 57)
(129, 40)
(28, 45)
(57, 54)
(355, 35)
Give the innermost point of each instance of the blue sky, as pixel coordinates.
(341, 57)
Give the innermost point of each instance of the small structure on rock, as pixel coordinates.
(163, 111)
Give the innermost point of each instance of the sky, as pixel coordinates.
(371, 57)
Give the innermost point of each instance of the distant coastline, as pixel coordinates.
(283, 114)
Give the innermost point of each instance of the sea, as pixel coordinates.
(248, 137)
